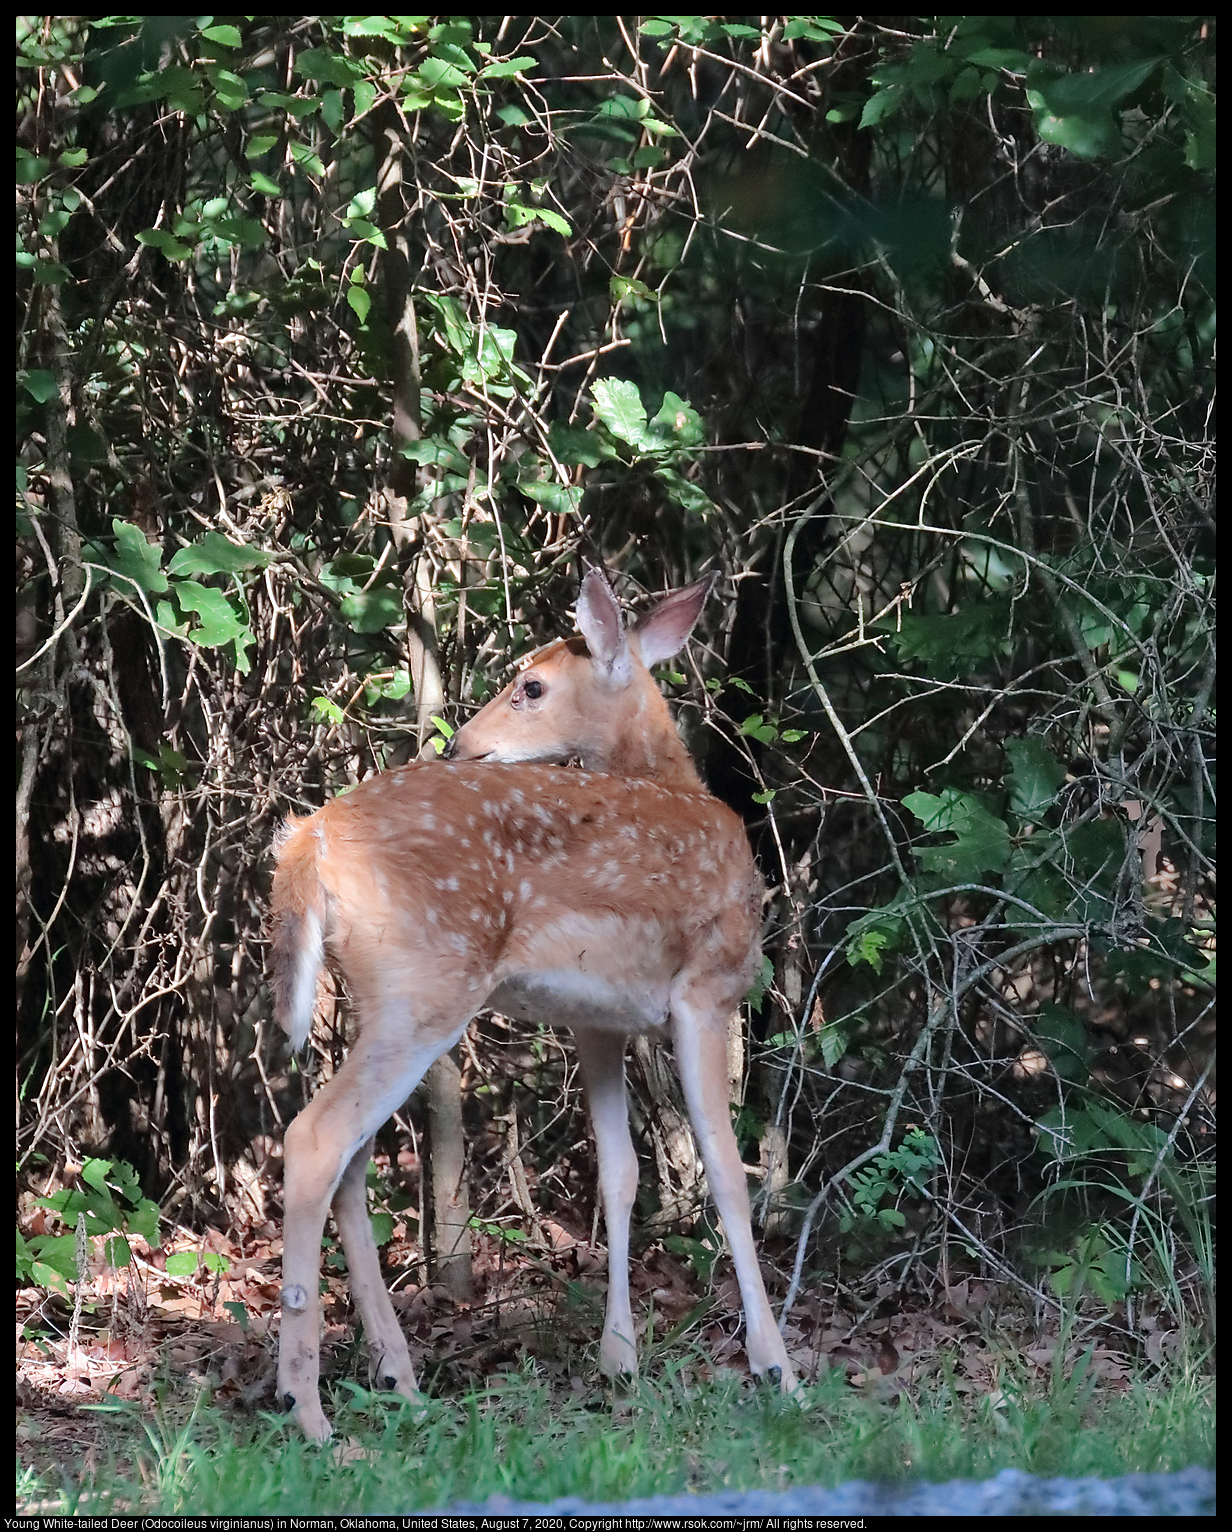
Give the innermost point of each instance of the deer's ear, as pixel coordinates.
(665, 628)
(599, 622)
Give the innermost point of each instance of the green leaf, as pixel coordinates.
(1068, 1133)
(170, 765)
(968, 85)
(298, 107)
(573, 445)
(761, 982)
(231, 89)
(438, 74)
(1077, 111)
(561, 499)
(327, 67)
(31, 167)
(1096, 90)
(1013, 59)
(502, 69)
(391, 689)
(818, 29)
(1088, 135)
(1095, 848)
(834, 1040)
(880, 105)
(952, 645)
(117, 1252)
(132, 557)
(51, 273)
(619, 406)
(981, 843)
(382, 1227)
(239, 1312)
(1042, 887)
(394, 29)
(755, 726)
(1062, 1034)
(373, 610)
(225, 36)
(94, 1173)
(169, 622)
(214, 554)
(333, 110)
(58, 1251)
(518, 215)
(554, 220)
(166, 242)
(308, 158)
(323, 708)
(677, 424)
(219, 618)
(870, 937)
(40, 385)
(684, 491)
(361, 204)
(1141, 1141)
(360, 302)
(1036, 777)
(182, 1263)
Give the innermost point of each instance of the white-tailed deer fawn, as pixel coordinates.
(616, 899)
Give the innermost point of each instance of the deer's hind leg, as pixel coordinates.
(322, 1145)
(390, 1359)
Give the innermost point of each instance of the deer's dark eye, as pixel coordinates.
(534, 690)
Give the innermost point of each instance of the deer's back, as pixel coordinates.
(518, 875)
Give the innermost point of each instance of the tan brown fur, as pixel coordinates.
(612, 900)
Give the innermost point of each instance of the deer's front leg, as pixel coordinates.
(602, 1057)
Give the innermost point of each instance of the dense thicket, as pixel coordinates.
(342, 343)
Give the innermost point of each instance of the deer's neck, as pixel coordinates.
(652, 752)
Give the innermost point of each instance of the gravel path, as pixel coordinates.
(1011, 1493)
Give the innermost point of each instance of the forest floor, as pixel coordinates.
(149, 1346)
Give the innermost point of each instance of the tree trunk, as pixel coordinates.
(450, 1250)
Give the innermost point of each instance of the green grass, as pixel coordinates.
(517, 1438)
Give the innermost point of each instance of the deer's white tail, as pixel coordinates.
(298, 920)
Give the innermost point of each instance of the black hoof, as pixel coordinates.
(389, 1383)
(288, 1402)
(774, 1375)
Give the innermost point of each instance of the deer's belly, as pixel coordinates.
(565, 997)
(587, 968)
